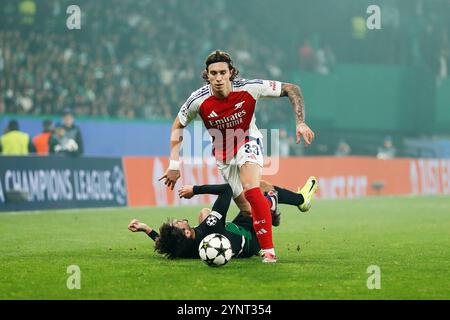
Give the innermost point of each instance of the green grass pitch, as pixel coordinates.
(323, 254)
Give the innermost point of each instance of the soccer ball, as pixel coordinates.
(215, 250)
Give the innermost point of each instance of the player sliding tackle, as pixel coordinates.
(178, 239)
(227, 105)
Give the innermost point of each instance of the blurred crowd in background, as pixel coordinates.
(139, 59)
(121, 63)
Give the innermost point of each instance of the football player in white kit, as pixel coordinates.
(227, 107)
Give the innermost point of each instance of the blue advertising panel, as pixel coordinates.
(36, 183)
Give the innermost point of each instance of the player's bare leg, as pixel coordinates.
(250, 174)
(265, 186)
(243, 205)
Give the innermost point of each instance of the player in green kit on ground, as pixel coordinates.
(177, 239)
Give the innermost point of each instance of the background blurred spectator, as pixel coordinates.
(284, 143)
(27, 9)
(60, 144)
(325, 60)
(41, 141)
(14, 142)
(387, 151)
(72, 133)
(307, 57)
(343, 149)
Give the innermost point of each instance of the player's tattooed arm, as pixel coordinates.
(295, 95)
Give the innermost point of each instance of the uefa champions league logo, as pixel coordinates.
(119, 185)
(211, 221)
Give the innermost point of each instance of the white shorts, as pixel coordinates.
(249, 152)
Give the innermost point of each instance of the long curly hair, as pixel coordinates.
(173, 243)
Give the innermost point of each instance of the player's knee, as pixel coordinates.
(250, 174)
(265, 186)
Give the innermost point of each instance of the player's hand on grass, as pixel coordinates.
(171, 177)
(304, 131)
(186, 192)
(135, 226)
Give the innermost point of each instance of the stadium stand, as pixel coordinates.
(122, 64)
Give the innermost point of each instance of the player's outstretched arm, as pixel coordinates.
(222, 202)
(295, 96)
(137, 226)
(172, 173)
(188, 191)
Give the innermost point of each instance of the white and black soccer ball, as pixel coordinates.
(215, 250)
